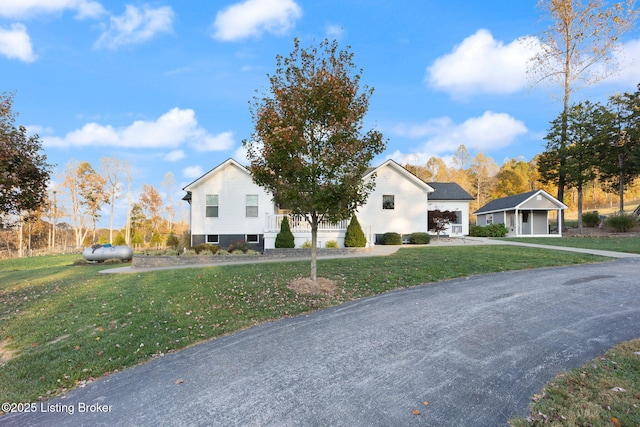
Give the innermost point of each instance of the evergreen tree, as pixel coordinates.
(354, 237)
(285, 238)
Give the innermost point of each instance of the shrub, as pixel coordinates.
(621, 223)
(214, 249)
(285, 238)
(491, 230)
(591, 219)
(173, 241)
(306, 245)
(222, 252)
(331, 244)
(354, 237)
(202, 247)
(238, 246)
(419, 238)
(391, 239)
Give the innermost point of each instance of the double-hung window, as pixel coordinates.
(252, 206)
(212, 205)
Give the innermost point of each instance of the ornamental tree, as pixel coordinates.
(309, 148)
(24, 172)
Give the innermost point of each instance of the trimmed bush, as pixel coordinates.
(391, 239)
(419, 238)
(491, 230)
(285, 238)
(202, 247)
(354, 237)
(591, 219)
(331, 244)
(238, 246)
(621, 223)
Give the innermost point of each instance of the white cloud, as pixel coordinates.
(192, 172)
(171, 130)
(15, 43)
(175, 155)
(482, 64)
(27, 8)
(627, 57)
(334, 31)
(253, 17)
(215, 142)
(487, 132)
(136, 26)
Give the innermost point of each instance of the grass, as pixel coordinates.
(62, 325)
(603, 392)
(616, 244)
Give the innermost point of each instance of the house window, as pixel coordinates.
(252, 206)
(212, 205)
(252, 238)
(458, 217)
(388, 201)
(489, 219)
(456, 229)
(213, 239)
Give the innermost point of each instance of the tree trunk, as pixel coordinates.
(314, 246)
(580, 209)
(621, 182)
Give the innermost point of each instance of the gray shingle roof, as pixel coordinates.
(448, 191)
(503, 203)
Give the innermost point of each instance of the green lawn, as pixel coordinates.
(62, 324)
(602, 393)
(615, 244)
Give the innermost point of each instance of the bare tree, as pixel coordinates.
(169, 183)
(113, 170)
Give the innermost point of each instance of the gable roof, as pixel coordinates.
(513, 202)
(404, 172)
(204, 177)
(448, 191)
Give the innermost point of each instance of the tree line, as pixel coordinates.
(38, 215)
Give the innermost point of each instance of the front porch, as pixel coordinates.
(301, 229)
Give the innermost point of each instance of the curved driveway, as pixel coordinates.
(475, 349)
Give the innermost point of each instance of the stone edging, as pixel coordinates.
(142, 261)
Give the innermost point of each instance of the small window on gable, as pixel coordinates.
(388, 201)
(212, 206)
(252, 206)
(213, 239)
(252, 238)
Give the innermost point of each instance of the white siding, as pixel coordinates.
(231, 184)
(410, 211)
(453, 206)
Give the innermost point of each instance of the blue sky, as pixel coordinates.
(166, 84)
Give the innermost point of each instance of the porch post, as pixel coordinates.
(559, 225)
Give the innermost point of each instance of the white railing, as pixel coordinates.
(298, 224)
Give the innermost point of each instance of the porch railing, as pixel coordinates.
(298, 224)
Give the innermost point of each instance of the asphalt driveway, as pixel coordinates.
(475, 349)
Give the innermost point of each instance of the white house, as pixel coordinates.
(226, 206)
(525, 214)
